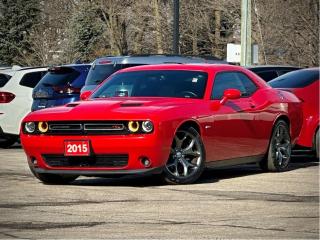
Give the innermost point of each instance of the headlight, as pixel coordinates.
(147, 126)
(30, 127)
(133, 126)
(43, 127)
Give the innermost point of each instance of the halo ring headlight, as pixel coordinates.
(43, 127)
(147, 126)
(133, 126)
(30, 127)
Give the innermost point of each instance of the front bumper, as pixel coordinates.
(135, 146)
(147, 171)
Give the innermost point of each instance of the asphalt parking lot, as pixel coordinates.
(241, 202)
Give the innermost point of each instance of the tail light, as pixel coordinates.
(6, 97)
(105, 62)
(294, 91)
(66, 89)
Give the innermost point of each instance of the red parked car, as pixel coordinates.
(304, 84)
(173, 120)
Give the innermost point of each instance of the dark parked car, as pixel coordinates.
(269, 72)
(103, 67)
(61, 85)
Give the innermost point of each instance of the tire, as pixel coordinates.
(279, 151)
(8, 142)
(187, 158)
(53, 179)
(316, 145)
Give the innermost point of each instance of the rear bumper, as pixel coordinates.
(4, 135)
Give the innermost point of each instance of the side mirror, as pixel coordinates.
(85, 95)
(230, 93)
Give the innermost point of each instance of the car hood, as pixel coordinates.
(112, 109)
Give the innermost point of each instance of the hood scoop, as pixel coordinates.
(132, 104)
(72, 104)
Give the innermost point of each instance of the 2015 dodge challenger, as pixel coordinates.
(172, 120)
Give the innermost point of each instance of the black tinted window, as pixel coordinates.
(236, 80)
(295, 79)
(162, 83)
(100, 72)
(31, 79)
(60, 76)
(281, 72)
(267, 75)
(4, 78)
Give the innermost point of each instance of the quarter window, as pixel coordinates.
(31, 79)
(236, 80)
(4, 78)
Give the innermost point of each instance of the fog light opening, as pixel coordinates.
(145, 161)
(34, 162)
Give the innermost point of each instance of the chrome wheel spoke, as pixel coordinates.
(179, 142)
(185, 166)
(188, 149)
(280, 135)
(174, 164)
(279, 157)
(285, 145)
(191, 153)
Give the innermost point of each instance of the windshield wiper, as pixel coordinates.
(97, 81)
(48, 84)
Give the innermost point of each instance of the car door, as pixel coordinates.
(233, 132)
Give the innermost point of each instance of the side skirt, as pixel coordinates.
(235, 161)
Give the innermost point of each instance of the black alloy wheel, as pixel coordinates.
(186, 159)
(279, 152)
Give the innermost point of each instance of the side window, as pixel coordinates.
(249, 86)
(31, 79)
(237, 80)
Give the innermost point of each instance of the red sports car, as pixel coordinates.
(172, 120)
(305, 85)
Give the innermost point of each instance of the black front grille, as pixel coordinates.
(88, 128)
(118, 160)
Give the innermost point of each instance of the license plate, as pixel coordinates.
(77, 148)
(41, 94)
(42, 103)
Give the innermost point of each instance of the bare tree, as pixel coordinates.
(289, 31)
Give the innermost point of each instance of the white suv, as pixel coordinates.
(16, 86)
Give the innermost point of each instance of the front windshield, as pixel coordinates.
(154, 83)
